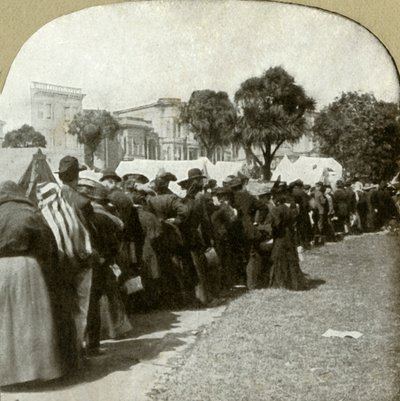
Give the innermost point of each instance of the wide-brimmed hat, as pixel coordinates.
(87, 182)
(220, 191)
(263, 189)
(232, 181)
(193, 173)
(100, 193)
(137, 177)
(109, 173)
(319, 183)
(166, 175)
(297, 183)
(70, 164)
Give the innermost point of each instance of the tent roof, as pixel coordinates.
(309, 169)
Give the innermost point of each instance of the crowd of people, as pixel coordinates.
(76, 261)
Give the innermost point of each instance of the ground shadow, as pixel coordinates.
(121, 354)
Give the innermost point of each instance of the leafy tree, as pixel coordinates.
(212, 117)
(362, 133)
(271, 111)
(24, 137)
(91, 127)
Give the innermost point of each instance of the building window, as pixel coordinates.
(168, 128)
(67, 113)
(130, 150)
(48, 110)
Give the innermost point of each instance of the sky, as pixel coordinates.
(130, 54)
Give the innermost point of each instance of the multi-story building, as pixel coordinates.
(138, 139)
(2, 124)
(175, 141)
(52, 108)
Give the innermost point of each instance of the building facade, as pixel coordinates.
(2, 133)
(168, 139)
(52, 109)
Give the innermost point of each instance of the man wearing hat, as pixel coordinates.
(108, 229)
(161, 182)
(221, 219)
(321, 209)
(304, 230)
(77, 288)
(110, 179)
(341, 204)
(132, 238)
(196, 230)
(248, 237)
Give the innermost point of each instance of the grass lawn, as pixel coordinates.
(269, 346)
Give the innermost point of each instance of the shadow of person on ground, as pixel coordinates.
(120, 355)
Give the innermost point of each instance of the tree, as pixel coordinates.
(212, 117)
(91, 127)
(24, 137)
(271, 111)
(362, 133)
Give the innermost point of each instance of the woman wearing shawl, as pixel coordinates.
(28, 332)
(285, 271)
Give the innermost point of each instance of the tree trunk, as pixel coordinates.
(266, 167)
(210, 154)
(266, 171)
(89, 156)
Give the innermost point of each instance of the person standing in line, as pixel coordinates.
(31, 332)
(78, 268)
(341, 205)
(330, 229)
(196, 231)
(321, 208)
(285, 270)
(108, 230)
(249, 208)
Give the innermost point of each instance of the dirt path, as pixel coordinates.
(131, 366)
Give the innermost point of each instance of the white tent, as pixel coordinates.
(221, 170)
(310, 170)
(284, 167)
(150, 168)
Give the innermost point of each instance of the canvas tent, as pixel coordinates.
(150, 168)
(309, 169)
(37, 171)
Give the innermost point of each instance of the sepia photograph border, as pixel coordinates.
(20, 19)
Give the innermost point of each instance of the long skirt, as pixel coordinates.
(29, 347)
(286, 271)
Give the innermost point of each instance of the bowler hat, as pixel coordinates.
(297, 183)
(193, 173)
(70, 164)
(220, 191)
(166, 175)
(109, 173)
(99, 193)
(233, 182)
(137, 177)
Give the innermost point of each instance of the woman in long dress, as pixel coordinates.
(285, 271)
(28, 332)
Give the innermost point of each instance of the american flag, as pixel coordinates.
(72, 237)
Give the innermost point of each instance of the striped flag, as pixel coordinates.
(72, 237)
